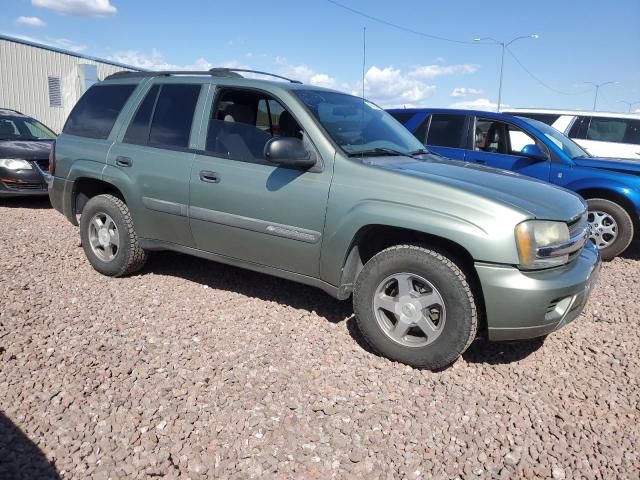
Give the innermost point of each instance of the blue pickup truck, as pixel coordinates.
(530, 147)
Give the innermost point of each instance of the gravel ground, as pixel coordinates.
(194, 369)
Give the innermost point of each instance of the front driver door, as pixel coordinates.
(245, 208)
(498, 144)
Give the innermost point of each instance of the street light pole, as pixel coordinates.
(598, 85)
(630, 104)
(504, 46)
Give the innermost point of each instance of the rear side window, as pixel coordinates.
(616, 130)
(97, 111)
(138, 131)
(446, 130)
(173, 115)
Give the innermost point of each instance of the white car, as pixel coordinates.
(612, 135)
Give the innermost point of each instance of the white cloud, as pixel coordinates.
(461, 92)
(478, 104)
(637, 110)
(82, 8)
(63, 43)
(389, 87)
(30, 21)
(155, 60)
(428, 72)
(304, 74)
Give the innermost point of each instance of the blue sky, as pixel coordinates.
(321, 43)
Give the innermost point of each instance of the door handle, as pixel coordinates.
(124, 161)
(209, 176)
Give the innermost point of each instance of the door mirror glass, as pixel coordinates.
(289, 152)
(533, 152)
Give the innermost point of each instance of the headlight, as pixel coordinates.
(15, 164)
(534, 235)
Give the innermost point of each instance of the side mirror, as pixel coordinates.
(534, 152)
(288, 152)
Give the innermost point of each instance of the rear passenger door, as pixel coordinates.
(608, 137)
(498, 144)
(243, 207)
(152, 157)
(446, 134)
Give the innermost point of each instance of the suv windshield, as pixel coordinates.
(23, 128)
(359, 127)
(563, 142)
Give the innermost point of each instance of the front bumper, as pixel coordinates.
(21, 183)
(522, 304)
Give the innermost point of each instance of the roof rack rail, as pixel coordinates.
(215, 72)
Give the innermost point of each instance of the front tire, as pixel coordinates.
(611, 227)
(109, 238)
(414, 305)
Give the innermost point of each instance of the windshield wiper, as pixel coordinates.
(385, 151)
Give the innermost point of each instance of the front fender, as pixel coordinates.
(480, 241)
(621, 189)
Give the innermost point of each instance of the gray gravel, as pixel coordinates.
(194, 369)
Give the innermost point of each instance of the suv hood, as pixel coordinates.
(25, 149)
(615, 164)
(539, 199)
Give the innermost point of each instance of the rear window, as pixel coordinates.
(173, 115)
(446, 130)
(97, 111)
(138, 131)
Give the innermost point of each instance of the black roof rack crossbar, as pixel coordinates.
(215, 72)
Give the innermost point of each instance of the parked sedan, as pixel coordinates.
(25, 144)
(531, 147)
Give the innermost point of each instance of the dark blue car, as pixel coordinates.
(530, 147)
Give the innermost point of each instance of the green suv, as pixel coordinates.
(326, 189)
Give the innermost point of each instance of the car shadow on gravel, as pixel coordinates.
(499, 353)
(26, 202)
(252, 284)
(633, 252)
(20, 458)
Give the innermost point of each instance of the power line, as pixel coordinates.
(399, 27)
(540, 81)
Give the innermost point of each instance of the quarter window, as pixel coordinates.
(173, 115)
(446, 130)
(579, 127)
(96, 112)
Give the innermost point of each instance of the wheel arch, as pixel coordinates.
(371, 239)
(616, 197)
(85, 188)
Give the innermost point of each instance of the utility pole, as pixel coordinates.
(598, 85)
(630, 104)
(504, 46)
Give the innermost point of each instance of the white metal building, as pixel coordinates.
(46, 82)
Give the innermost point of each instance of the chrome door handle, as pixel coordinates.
(124, 161)
(209, 176)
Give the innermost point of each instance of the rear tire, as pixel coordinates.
(611, 227)
(108, 237)
(429, 324)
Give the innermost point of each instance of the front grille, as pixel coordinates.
(24, 186)
(43, 163)
(578, 225)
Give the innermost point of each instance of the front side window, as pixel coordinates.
(242, 122)
(173, 115)
(501, 137)
(96, 112)
(446, 130)
(357, 126)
